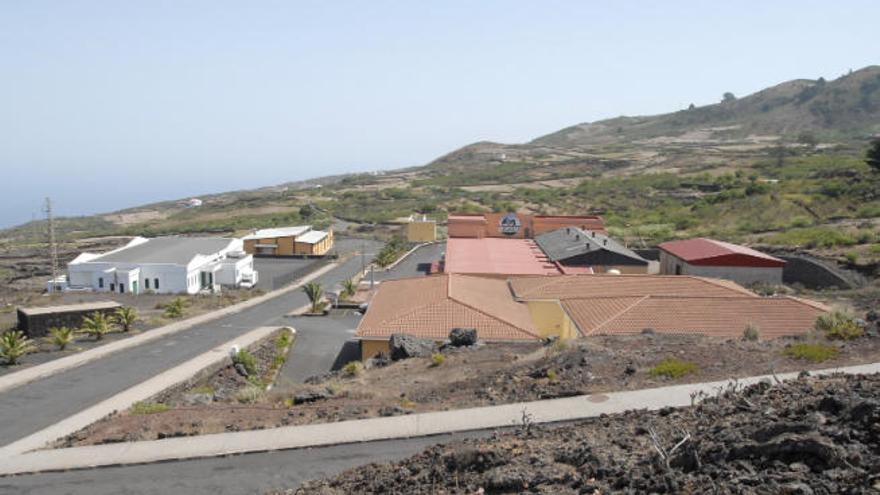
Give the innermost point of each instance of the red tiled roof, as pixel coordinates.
(429, 307)
(713, 316)
(624, 285)
(710, 252)
(490, 255)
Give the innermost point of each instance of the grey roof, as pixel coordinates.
(171, 250)
(562, 244)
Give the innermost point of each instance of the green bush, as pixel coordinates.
(96, 325)
(247, 360)
(815, 353)
(61, 337)
(175, 308)
(250, 394)
(14, 345)
(437, 359)
(673, 368)
(146, 407)
(751, 333)
(838, 325)
(552, 375)
(353, 369)
(126, 317)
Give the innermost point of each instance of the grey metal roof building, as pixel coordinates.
(575, 247)
(173, 250)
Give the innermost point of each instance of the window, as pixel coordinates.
(112, 287)
(100, 282)
(156, 283)
(121, 288)
(146, 283)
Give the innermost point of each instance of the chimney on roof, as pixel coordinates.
(594, 234)
(605, 242)
(577, 237)
(568, 230)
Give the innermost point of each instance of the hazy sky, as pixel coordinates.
(105, 105)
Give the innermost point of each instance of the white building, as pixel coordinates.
(165, 265)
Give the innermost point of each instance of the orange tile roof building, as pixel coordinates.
(569, 306)
(429, 307)
(517, 225)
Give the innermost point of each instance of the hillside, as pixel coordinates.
(782, 167)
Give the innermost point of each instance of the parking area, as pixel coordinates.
(417, 264)
(276, 272)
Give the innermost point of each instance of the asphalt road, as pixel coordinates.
(28, 409)
(244, 474)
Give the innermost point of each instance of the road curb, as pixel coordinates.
(40, 371)
(382, 428)
(142, 391)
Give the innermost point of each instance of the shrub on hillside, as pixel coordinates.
(673, 368)
(751, 333)
(815, 353)
(838, 325)
(246, 360)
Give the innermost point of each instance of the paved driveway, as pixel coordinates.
(416, 264)
(30, 408)
(323, 343)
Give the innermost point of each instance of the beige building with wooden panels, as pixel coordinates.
(421, 229)
(517, 225)
(300, 240)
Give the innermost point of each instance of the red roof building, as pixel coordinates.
(711, 258)
(493, 256)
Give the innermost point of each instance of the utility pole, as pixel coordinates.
(53, 247)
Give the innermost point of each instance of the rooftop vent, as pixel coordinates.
(605, 242)
(594, 234)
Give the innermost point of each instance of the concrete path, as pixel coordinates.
(26, 410)
(367, 430)
(143, 391)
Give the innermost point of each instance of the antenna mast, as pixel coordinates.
(53, 246)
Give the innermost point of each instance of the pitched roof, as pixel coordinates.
(166, 250)
(279, 232)
(604, 285)
(702, 251)
(429, 307)
(491, 255)
(566, 243)
(713, 316)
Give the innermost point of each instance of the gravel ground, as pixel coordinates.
(808, 436)
(479, 376)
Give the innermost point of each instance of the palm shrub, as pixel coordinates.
(96, 325)
(349, 288)
(61, 337)
(126, 317)
(175, 308)
(315, 293)
(14, 345)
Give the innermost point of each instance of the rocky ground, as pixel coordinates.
(476, 376)
(810, 435)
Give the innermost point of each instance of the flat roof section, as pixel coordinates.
(170, 250)
(93, 306)
(497, 256)
(279, 232)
